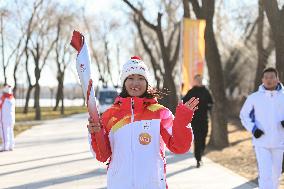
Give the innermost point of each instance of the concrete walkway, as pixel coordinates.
(56, 154)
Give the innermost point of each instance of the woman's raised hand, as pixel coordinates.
(192, 103)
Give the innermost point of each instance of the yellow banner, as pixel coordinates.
(193, 51)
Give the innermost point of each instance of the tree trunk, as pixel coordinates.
(36, 99)
(219, 132)
(5, 78)
(275, 17)
(57, 99)
(62, 101)
(28, 95)
(37, 92)
(15, 86)
(170, 100)
(279, 47)
(17, 62)
(260, 50)
(59, 92)
(3, 51)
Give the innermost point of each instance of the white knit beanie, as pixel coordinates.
(134, 66)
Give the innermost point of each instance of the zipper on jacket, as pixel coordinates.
(132, 110)
(132, 147)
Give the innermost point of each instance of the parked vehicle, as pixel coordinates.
(106, 97)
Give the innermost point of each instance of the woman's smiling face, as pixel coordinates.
(135, 85)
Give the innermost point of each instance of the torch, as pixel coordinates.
(83, 62)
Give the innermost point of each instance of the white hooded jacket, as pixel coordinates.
(264, 109)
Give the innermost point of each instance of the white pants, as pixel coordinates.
(269, 162)
(7, 137)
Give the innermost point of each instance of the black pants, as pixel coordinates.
(200, 130)
(283, 164)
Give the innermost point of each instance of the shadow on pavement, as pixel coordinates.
(43, 166)
(173, 158)
(48, 141)
(44, 158)
(245, 186)
(248, 184)
(54, 181)
(180, 171)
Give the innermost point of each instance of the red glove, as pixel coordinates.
(77, 40)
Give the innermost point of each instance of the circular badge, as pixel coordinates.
(144, 138)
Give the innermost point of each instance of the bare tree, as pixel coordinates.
(219, 132)
(168, 49)
(263, 53)
(42, 43)
(3, 15)
(63, 55)
(61, 67)
(107, 58)
(29, 31)
(21, 28)
(16, 53)
(275, 17)
(18, 57)
(242, 73)
(92, 48)
(157, 68)
(100, 45)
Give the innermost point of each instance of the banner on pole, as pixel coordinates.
(193, 51)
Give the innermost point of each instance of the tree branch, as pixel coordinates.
(153, 61)
(208, 8)
(14, 51)
(138, 12)
(196, 8)
(186, 10)
(176, 53)
(272, 12)
(172, 36)
(91, 45)
(47, 54)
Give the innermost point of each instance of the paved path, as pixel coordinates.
(56, 155)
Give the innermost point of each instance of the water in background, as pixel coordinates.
(50, 102)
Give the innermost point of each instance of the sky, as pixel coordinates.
(97, 7)
(48, 76)
(114, 8)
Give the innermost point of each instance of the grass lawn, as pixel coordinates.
(48, 113)
(22, 120)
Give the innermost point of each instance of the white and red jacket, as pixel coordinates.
(7, 121)
(135, 131)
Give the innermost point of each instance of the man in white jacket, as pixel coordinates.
(7, 119)
(262, 114)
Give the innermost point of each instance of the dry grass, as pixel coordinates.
(48, 113)
(21, 128)
(239, 156)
